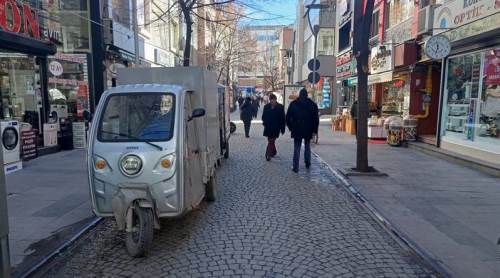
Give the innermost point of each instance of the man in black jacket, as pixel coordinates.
(302, 118)
(246, 114)
(273, 119)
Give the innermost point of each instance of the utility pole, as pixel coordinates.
(363, 11)
(4, 226)
(136, 32)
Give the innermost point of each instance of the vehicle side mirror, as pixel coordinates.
(198, 112)
(87, 115)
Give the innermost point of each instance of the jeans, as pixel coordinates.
(296, 152)
(271, 147)
(247, 127)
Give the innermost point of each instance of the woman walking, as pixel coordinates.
(246, 115)
(273, 119)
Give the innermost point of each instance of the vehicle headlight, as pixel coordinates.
(131, 165)
(166, 166)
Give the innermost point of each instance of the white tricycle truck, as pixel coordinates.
(155, 142)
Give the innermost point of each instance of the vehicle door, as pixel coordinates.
(195, 189)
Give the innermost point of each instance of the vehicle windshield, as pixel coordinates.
(144, 117)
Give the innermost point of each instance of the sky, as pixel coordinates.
(270, 12)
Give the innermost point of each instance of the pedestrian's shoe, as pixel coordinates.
(268, 157)
(308, 165)
(295, 170)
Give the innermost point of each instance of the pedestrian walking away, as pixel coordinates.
(246, 114)
(273, 119)
(302, 119)
(256, 106)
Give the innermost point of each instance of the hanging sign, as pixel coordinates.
(56, 68)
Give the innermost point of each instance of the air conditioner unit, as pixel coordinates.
(426, 19)
(107, 30)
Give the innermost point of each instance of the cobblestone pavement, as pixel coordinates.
(267, 222)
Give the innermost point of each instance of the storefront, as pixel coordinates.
(345, 80)
(23, 64)
(470, 102)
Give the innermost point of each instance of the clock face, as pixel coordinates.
(437, 47)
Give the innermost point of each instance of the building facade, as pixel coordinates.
(260, 68)
(470, 98)
(305, 47)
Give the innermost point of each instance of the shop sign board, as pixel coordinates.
(345, 65)
(28, 145)
(465, 14)
(380, 78)
(19, 18)
(381, 59)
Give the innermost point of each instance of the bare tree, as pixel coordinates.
(362, 23)
(189, 10)
(271, 73)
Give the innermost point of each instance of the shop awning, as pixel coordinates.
(380, 77)
(18, 43)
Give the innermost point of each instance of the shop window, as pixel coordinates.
(345, 36)
(326, 39)
(20, 93)
(68, 86)
(471, 114)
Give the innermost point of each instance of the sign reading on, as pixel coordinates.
(28, 145)
(19, 18)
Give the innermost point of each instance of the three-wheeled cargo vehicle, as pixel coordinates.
(155, 143)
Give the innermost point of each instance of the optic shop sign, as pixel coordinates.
(19, 18)
(456, 13)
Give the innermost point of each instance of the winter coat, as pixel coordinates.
(302, 118)
(273, 120)
(247, 111)
(256, 106)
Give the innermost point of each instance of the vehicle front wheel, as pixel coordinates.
(139, 240)
(211, 189)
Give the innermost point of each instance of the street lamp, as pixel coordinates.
(315, 31)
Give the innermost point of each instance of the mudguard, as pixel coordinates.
(126, 197)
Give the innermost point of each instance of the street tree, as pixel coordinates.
(363, 11)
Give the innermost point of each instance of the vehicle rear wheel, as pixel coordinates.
(139, 240)
(211, 189)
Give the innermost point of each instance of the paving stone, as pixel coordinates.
(267, 222)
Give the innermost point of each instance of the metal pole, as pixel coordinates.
(136, 32)
(315, 34)
(4, 226)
